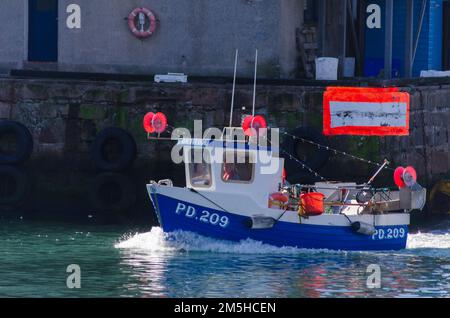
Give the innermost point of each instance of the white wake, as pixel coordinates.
(435, 243)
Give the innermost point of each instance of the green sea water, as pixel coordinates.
(119, 261)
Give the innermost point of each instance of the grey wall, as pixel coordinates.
(12, 33)
(197, 37)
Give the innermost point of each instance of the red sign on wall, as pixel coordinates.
(366, 111)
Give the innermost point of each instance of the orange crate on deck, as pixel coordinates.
(312, 203)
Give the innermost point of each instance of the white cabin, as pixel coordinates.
(231, 167)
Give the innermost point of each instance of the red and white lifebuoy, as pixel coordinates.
(155, 123)
(254, 124)
(137, 25)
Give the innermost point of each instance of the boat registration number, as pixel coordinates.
(204, 216)
(389, 234)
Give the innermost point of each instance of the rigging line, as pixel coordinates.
(319, 146)
(302, 164)
(346, 217)
(207, 199)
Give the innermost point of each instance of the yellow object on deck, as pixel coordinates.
(442, 186)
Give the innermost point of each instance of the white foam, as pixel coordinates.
(436, 243)
(435, 240)
(157, 240)
(151, 241)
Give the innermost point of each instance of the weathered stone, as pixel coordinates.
(94, 112)
(439, 162)
(5, 110)
(75, 112)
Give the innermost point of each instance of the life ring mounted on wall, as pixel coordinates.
(142, 22)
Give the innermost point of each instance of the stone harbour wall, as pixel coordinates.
(64, 118)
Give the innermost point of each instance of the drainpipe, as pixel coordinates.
(388, 39)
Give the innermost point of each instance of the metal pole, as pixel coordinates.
(234, 88)
(388, 39)
(419, 30)
(322, 25)
(344, 38)
(409, 37)
(254, 84)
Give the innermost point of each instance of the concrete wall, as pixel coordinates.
(13, 32)
(196, 37)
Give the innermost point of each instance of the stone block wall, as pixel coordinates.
(65, 117)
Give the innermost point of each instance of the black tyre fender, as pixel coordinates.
(14, 186)
(314, 157)
(112, 192)
(126, 152)
(24, 142)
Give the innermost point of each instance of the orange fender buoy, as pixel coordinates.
(278, 200)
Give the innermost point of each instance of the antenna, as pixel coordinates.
(234, 88)
(254, 85)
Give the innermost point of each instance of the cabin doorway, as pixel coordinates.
(43, 30)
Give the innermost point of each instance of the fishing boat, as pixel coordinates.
(236, 189)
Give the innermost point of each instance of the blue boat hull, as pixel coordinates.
(175, 215)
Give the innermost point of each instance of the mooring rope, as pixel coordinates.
(304, 166)
(319, 146)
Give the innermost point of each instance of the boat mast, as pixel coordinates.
(234, 88)
(254, 84)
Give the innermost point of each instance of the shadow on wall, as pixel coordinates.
(106, 187)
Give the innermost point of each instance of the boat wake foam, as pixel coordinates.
(158, 241)
(435, 243)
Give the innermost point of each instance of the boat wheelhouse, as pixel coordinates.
(236, 191)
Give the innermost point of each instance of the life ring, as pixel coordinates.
(137, 25)
(21, 137)
(278, 200)
(155, 123)
(253, 124)
(114, 149)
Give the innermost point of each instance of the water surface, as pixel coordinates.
(119, 262)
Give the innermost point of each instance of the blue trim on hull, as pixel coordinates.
(282, 234)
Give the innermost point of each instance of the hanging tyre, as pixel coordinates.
(14, 186)
(112, 192)
(114, 150)
(16, 143)
(304, 152)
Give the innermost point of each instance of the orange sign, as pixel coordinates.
(366, 111)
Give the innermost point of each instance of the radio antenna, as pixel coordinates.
(254, 84)
(234, 88)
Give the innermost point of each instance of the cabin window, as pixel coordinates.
(237, 167)
(200, 169)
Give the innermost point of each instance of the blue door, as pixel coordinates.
(43, 30)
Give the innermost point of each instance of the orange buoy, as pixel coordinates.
(409, 176)
(312, 203)
(278, 200)
(148, 123)
(155, 123)
(252, 124)
(159, 123)
(398, 177)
